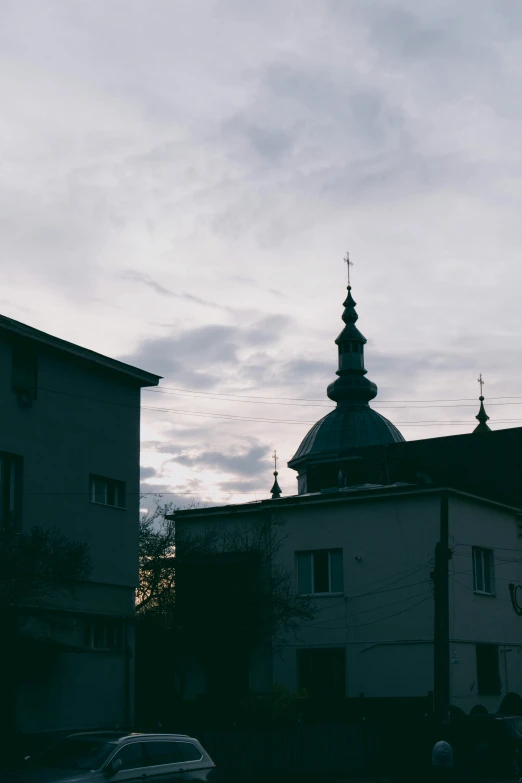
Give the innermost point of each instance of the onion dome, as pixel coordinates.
(353, 424)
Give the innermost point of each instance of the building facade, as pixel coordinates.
(365, 556)
(359, 540)
(69, 454)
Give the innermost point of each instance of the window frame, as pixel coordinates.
(177, 762)
(486, 562)
(116, 754)
(89, 636)
(116, 485)
(312, 553)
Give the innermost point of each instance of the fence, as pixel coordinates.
(334, 748)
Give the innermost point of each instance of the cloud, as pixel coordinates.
(146, 472)
(139, 277)
(246, 461)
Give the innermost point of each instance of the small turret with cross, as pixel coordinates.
(482, 417)
(276, 489)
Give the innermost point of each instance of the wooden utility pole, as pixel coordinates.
(441, 674)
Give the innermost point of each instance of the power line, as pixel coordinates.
(390, 404)
(306, 399)
(379, 620)
(376, 592)
(232, 417)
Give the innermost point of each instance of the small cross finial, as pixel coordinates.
(274, 457)
(348, 265)
(481, 382)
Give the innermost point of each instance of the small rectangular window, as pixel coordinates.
(102, 633)
(10, 489)
(483, 571)
(108, 492)
(320, 572)
(488, 673)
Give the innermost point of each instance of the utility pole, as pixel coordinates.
(441, 674)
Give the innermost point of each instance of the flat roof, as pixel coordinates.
(22, 330)
(358, 493)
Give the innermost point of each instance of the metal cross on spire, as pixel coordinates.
(480, 380)
(274, 457)
(348, 265)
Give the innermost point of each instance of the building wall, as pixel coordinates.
(483, 619)
(85, 420)
(384, 621)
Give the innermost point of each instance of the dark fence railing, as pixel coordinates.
(301, 750)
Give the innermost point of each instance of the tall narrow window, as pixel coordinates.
(483, 572)
(107, 491)
(10, 489)
(320, 572)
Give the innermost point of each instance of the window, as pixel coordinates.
(488, 675)
(322, 672)
(320, 572)
(24, 370)
(108, 492)
(483, 575)
(188, 752)
(161, 752)
(103, 634)
(10, 489)
(131, 756)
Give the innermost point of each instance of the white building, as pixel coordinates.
(366, 555)
(360, 539)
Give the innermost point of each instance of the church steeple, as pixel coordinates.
(482, 416)
(351, 386)
(329, 454)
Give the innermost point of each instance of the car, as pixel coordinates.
(497, 740)
(99, 757)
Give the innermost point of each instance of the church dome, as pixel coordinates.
(349, 426)
(353, 424)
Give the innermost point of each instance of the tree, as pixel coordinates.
(35, 566)
(39, 564)
(212, 596)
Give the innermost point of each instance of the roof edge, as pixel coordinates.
(29, 332)
(339, 496)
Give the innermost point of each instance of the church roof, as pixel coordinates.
(346, 427)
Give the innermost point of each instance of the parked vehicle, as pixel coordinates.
(497, 740)
(93, 757)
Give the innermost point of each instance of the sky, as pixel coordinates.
(180, 181)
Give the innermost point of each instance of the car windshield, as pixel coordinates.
(88, 753)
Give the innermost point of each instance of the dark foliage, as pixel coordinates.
(210, 597)
(39, 564)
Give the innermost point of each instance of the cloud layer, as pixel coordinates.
(180, 182)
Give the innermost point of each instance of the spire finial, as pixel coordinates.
(482, 417)
(348, 265)
(276, 489)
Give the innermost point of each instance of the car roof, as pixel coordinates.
(119, 736)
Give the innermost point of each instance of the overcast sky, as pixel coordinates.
(180, 180)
